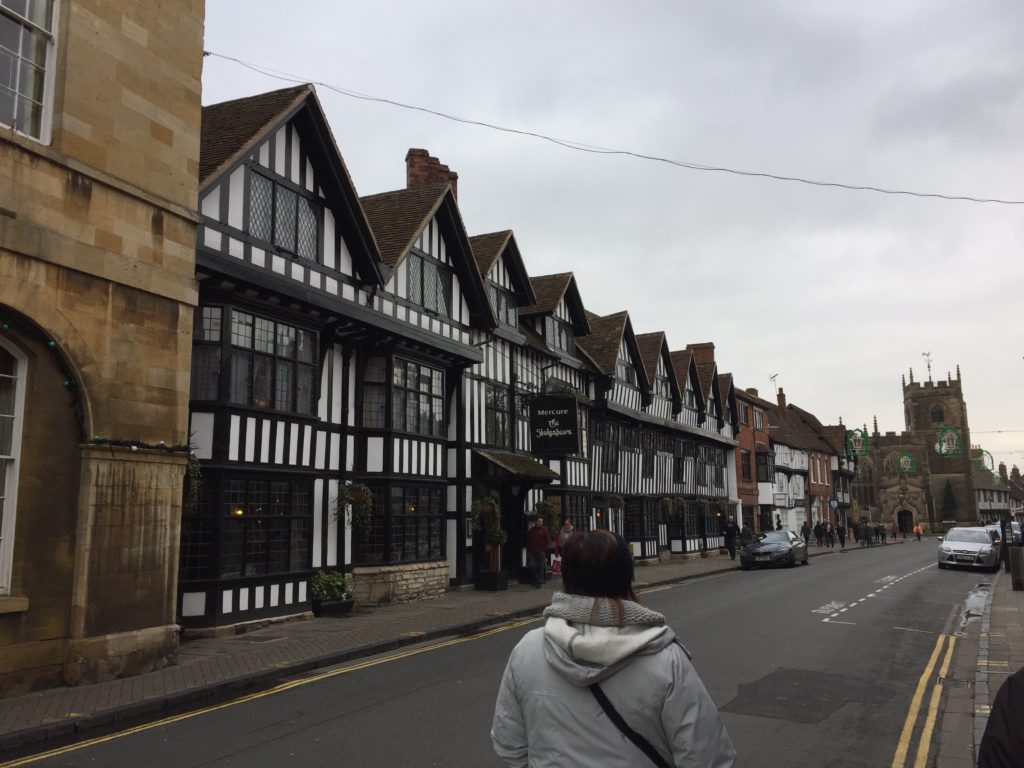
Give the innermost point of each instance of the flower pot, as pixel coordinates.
(492, 581)
(333, 606)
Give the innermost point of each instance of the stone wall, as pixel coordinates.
(399, 583)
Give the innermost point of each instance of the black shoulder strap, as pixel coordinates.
(642, 744)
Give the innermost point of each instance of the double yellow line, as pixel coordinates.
(281, 688)
(899, 760)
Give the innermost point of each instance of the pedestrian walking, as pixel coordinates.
(894, 531)
(746, 534)
(841, 534)
(817, 533)
(564, 532)
(601, 651)
(826, 532)
(538, 542)
(917, 531)
(883, 534)
(730, 530)
(805, 532)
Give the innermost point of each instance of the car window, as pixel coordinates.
(974, 535)
(772, 537)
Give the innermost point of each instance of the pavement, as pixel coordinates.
(989, 648)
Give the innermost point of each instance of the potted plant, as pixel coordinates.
(355, 502)
(495, 577)
(330, 594)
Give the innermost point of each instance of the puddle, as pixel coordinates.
(974, 605)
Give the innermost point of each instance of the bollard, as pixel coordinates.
(1017, 568)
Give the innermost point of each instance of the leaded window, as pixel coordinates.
(265, 526)
(206, 353)
(497, 418)
(407, 526)
(429, 284)
(504, 305)
(417, 403)
(26, 53)
(624, 372)
(558, 335)
(273, 364)
(375, 394)
(283, 216)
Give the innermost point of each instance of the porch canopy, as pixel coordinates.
(517, 465)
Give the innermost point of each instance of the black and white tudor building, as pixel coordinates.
(371, 340)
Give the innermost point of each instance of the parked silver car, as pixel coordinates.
(969, 547)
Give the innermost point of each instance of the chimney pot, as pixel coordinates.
(782, 400)
(423, 170)
(752, 391)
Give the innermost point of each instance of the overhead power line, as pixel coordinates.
(581, 147)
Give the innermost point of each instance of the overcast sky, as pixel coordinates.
(838, 292)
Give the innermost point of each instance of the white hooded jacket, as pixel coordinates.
(545, 716)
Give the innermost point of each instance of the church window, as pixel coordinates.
(937, 415)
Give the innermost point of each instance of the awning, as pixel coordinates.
(518, 465)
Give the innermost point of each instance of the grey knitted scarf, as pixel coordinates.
(601, 611)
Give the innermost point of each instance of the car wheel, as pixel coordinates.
(791, 563)
(806, 561)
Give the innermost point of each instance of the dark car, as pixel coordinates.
(773, 548)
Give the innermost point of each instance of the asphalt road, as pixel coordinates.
(813, 666)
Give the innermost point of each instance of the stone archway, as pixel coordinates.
(905, 520)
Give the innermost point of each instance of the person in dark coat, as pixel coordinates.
(805, 532)
(1002, 746)
(817, 533)
(538, 542)
(730, 530)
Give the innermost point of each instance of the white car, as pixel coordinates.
(970, 548)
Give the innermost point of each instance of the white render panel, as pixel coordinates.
(452, 453)
(296, 164)
(250, 439)
(226, 601)
(193, 603)
(344, 258)
(318, 516)
(265, 442)
(289, 593)
(324, 400)
(233, 430)
(298, 273)
(275, 590)
(307, 443)
(201, 434)
(261, 595)
(279, 162)
(332, 524)
(293, 444)
(350, 444)
(211, 238)
(337, 393)
(278, 264)
(309, 178)
(335, 464)
(258, 257)
(211, 203)
(236, 197)
(236, 248)
(330, 249)
(243, 599)
(279, 443)
(264, 154)
(302, 591)
(321, 460)
(375, 454)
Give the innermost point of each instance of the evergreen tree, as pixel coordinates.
(948, 505)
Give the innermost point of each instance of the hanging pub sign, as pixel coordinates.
(857, 442)
(554, 425)
(948, 441)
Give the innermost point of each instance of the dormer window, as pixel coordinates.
(279, 215)
(504, 305)
(429, 283)
(558, 335)
(624, 372)
(662, 387)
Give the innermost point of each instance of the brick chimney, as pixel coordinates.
(703, 354)
(1002, 472)
(1015, 474)
(752, 391)
(782, 400)
(422, 170)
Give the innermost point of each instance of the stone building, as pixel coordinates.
(924, 474)
(99, 146)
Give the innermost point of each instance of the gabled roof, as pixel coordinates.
(397, 218)
(487, 249)
(232, 127)
(651, 345)
(794, 429)
(606, 337)
(551, 289)
(685, 368)
(231, 130)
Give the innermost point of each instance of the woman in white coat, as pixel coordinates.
(597, 640)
